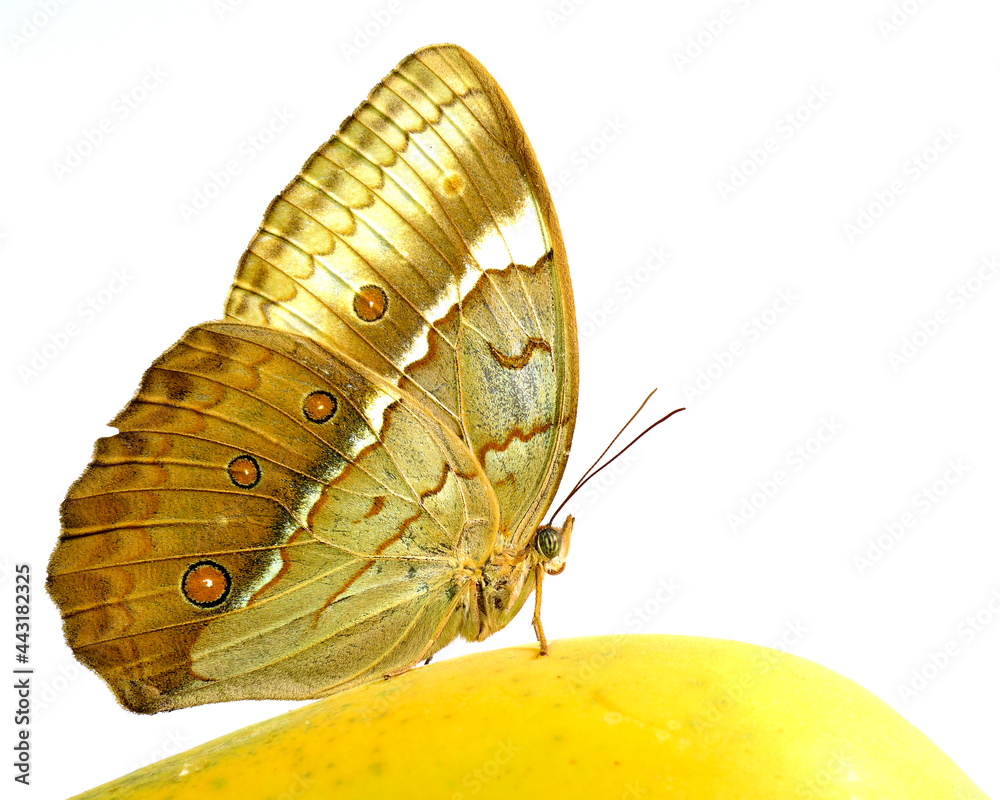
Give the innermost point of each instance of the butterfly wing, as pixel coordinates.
(421, 241)
(297, 502)
(271, 521)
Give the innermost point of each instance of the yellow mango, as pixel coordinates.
(630, 716)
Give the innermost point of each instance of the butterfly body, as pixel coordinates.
(351, 469)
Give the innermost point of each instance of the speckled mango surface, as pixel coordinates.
(629, 716)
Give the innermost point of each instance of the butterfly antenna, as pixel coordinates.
(590, 473)
(583, 478)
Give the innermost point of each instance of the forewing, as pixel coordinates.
(422, 242)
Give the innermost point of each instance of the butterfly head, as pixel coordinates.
(551, 545)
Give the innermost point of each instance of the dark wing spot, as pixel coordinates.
(521, 359)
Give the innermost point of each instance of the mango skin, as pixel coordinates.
(630, 716)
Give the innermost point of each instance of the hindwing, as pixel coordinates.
(339, 513)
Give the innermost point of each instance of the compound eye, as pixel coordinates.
(548, 542)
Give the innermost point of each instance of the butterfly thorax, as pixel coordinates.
(500, 591)
(503, 583)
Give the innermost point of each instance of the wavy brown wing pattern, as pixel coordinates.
(297, 500)
(421, 241)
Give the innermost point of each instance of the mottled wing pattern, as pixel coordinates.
(422, 242)
(339, 510)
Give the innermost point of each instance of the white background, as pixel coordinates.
(637, 142)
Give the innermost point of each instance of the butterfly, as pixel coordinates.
(351, 469)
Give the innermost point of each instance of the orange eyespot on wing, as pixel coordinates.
(370, 303)
(206, 584)
(244, 471)
(452, 184)
(319, 407)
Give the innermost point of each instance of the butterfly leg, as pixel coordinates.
(536, 620)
